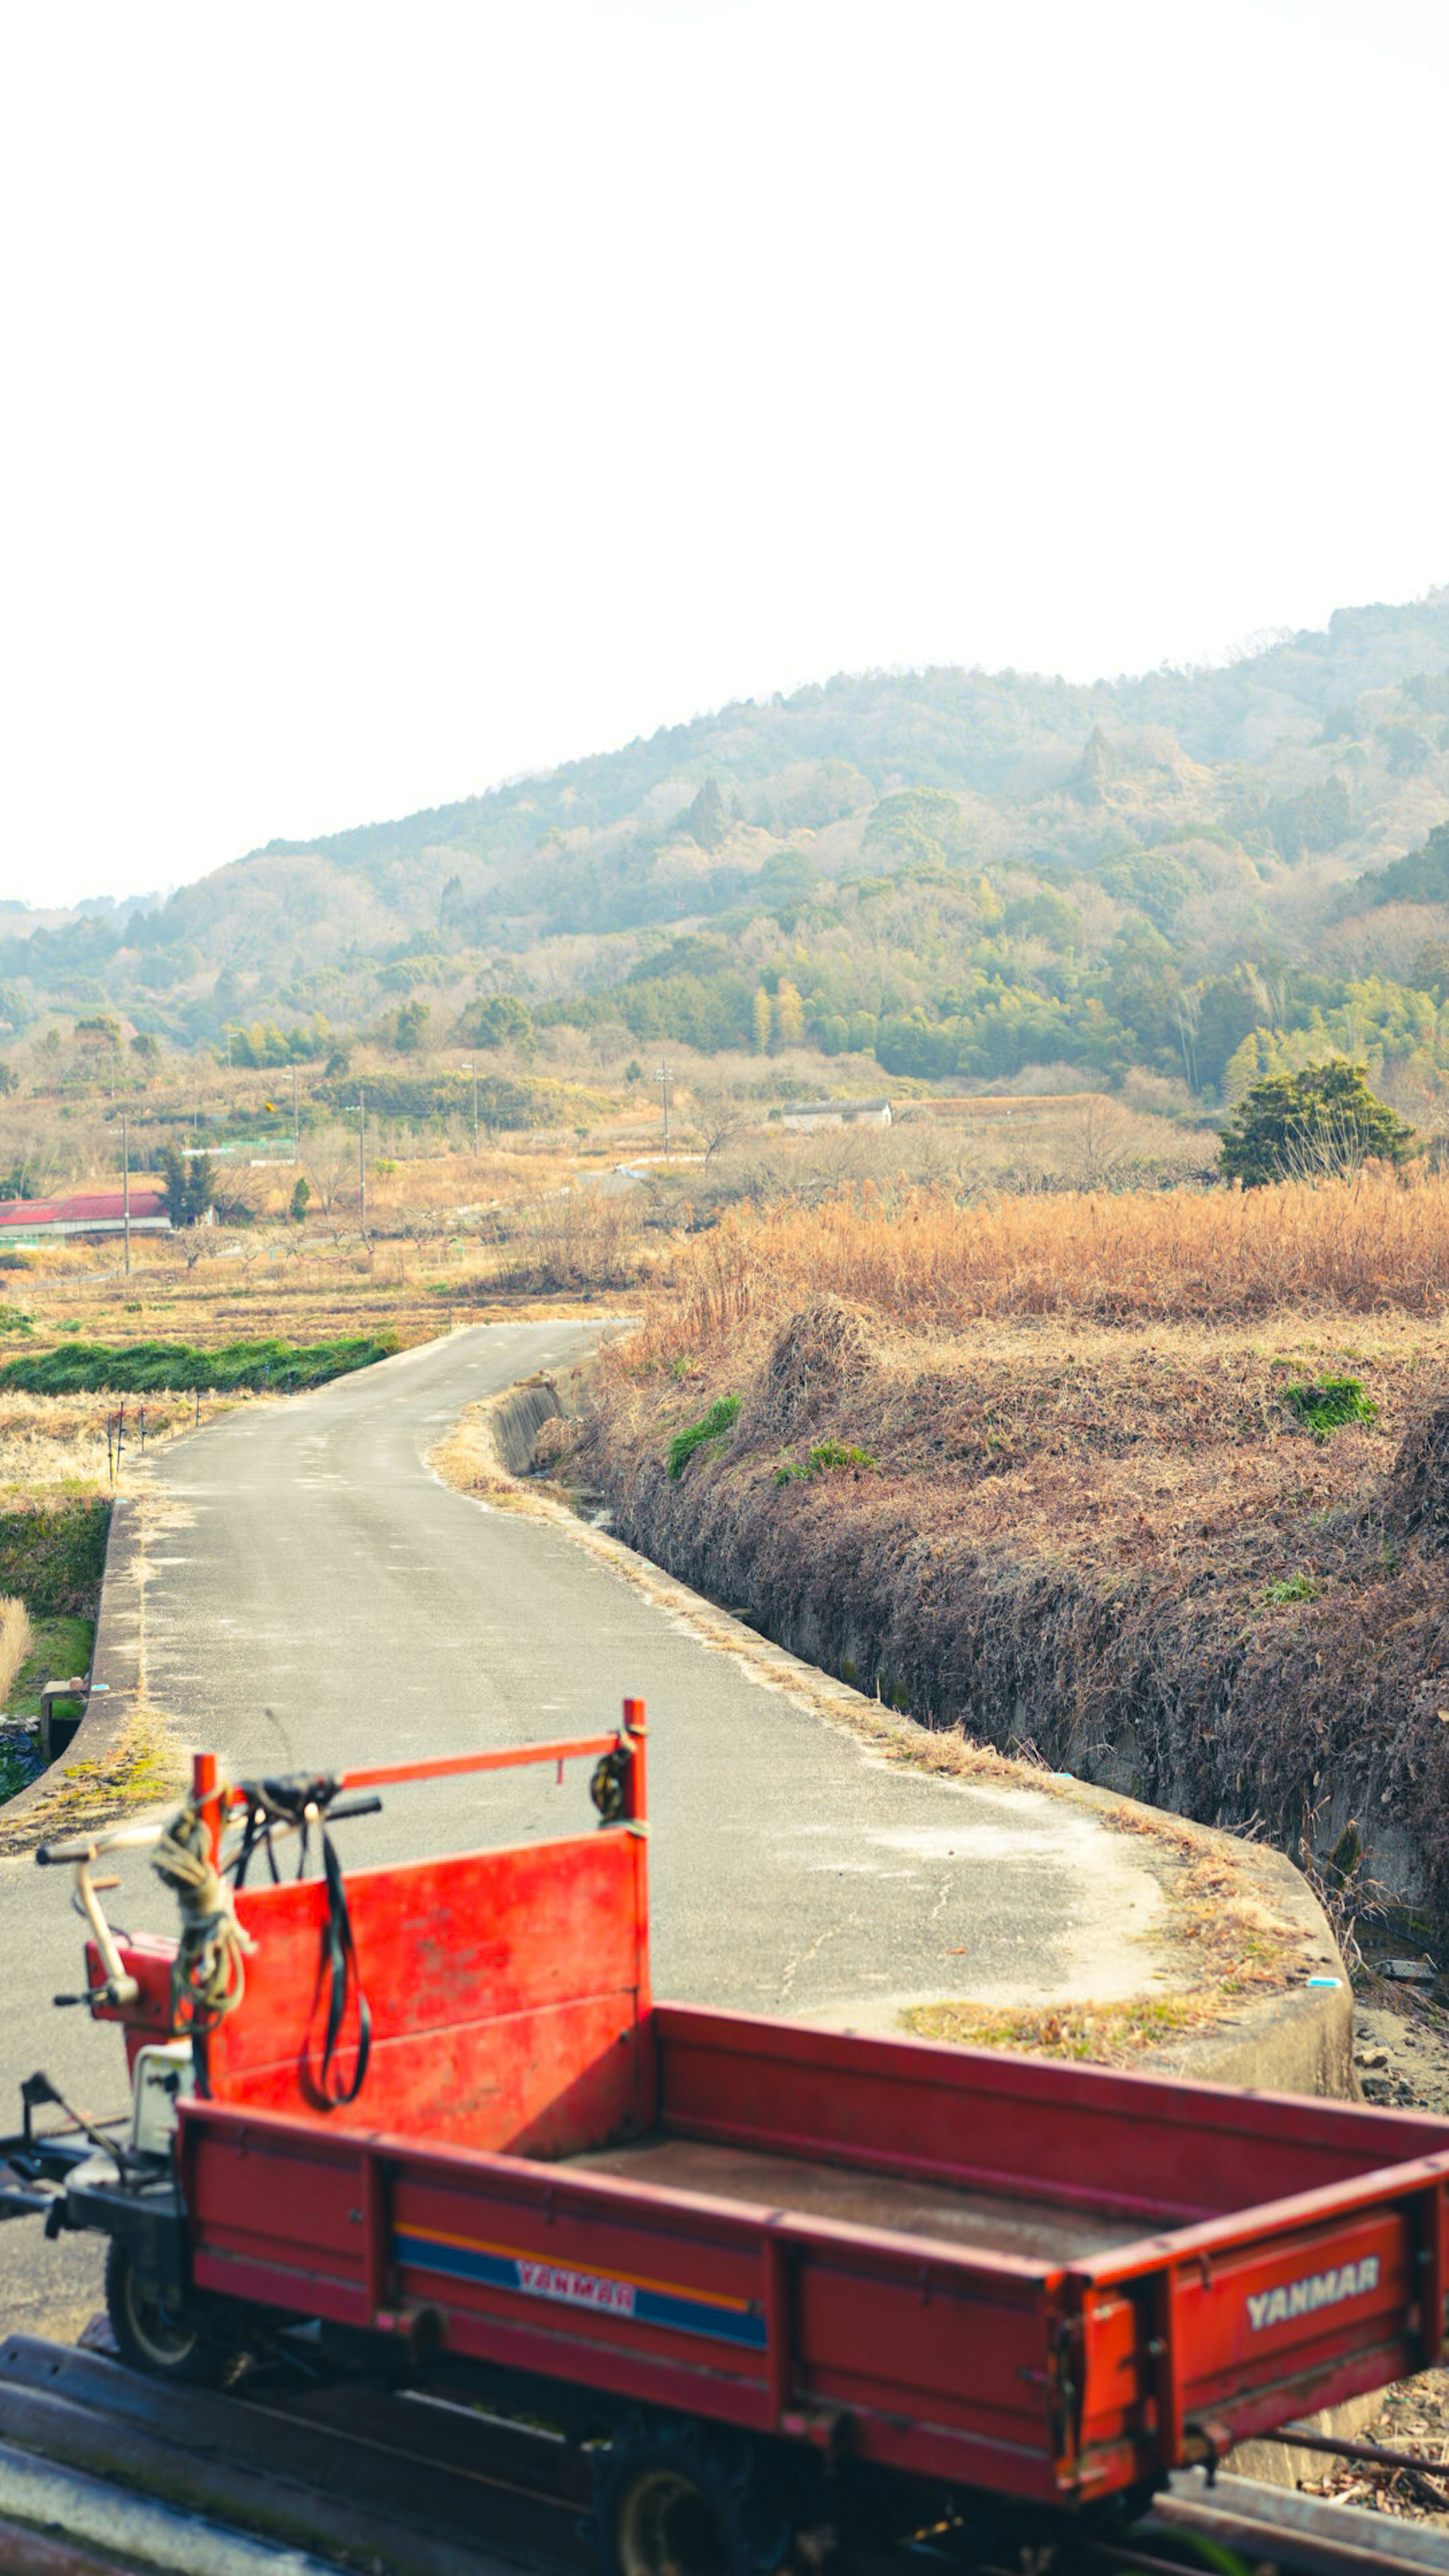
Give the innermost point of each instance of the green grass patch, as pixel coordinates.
(712, 1426)
(1326, 1407)
(148, 1368)
(54, 1555)
(827, 1458)
(61, 1652)
(12, 1320)
(1290, 1587)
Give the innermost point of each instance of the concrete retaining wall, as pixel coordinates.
(518, 1417)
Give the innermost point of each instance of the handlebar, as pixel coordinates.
(294, 1802)
(83, 1851)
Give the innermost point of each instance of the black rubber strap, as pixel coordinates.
(342, 1965)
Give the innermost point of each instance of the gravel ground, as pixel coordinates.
(1401, 2052)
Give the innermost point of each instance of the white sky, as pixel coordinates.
(402, 397)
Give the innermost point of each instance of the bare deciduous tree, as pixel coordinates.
(720, 1119)
(331, 1164)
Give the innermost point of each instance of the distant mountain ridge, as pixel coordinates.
(946, 727)
(1228, 803)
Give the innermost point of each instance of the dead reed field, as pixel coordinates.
(1375, 1244)
(1060, 1473)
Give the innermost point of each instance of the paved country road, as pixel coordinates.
(303, 1559)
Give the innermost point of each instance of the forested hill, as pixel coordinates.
(901, 839)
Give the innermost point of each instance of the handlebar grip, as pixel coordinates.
(344, 1808)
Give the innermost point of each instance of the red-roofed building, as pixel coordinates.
(83, 1212)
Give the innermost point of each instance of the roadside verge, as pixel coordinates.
(1281, 2032)
(118, 1757)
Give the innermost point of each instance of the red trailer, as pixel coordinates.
(787, 2273)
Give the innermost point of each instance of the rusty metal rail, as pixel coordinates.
(407, 2485)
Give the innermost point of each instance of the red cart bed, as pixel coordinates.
(1043, 2281)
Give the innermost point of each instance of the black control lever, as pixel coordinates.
(39, 2088)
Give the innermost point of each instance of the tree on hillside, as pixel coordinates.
(721, 1119)
(1421, 876)
(706, 821)
(331, 1164)
(1296, 1126)
(500, 1021)
(188, 1185)
(789, 1014)
(410, 1034)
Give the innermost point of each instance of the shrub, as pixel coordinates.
(827, 1455)
(712, 1426)
(1295, 1126)
(825, 1459)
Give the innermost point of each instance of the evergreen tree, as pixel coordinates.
(188, 1185)
(1297, 1125)
(707, 821)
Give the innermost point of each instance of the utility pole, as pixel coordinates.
(126, 1186)
(296, 1127)
(362, 1160)
(662, 1078)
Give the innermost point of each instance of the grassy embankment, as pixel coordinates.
(52, 1555)
(1156, 1487)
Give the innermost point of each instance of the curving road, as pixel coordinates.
(303, 1559)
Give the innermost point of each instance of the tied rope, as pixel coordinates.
(208, 1974)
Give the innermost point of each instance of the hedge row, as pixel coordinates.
(146, 1368)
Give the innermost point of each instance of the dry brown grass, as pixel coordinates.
(1373, 1245)
(15, 1642)
(60, 1440)
(1090, 2034)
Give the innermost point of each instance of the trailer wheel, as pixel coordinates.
(673, 2499)
(166, 2343)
